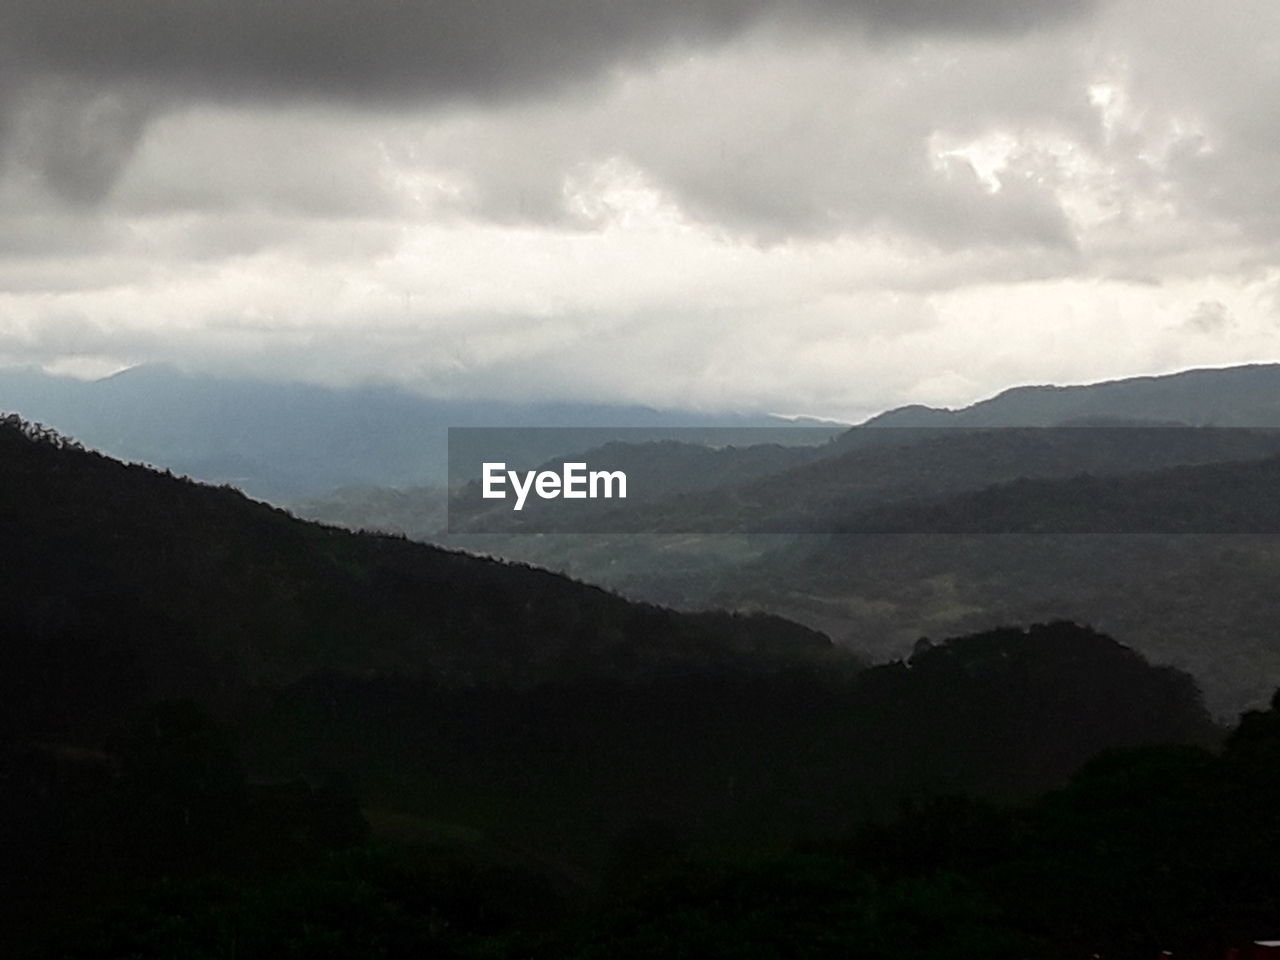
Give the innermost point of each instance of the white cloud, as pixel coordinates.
(827, 223)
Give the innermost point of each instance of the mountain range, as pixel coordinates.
(1142, 506)
(230, 731)
(1239, 396)
(285, 441)
(203, 693)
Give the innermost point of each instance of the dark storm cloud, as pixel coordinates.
(80, 140)
(481, 49)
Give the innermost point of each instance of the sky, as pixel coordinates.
(806, 206)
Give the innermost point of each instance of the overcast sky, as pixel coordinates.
(827, 206)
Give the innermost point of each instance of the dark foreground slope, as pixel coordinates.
(229, 732)
(174, 588)
(1148, 852)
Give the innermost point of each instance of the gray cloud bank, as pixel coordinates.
(81, 79)
(660, 200)
(434, 48)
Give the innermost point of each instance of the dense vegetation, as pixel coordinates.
(176, 589)
(231, 733)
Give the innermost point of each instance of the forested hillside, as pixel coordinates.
(227, 729)
(205, 591)
(1168, 536)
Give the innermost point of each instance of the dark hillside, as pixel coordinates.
(118, 572)
(230, 732)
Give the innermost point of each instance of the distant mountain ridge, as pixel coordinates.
(282, 440)
(913, 452)
(289, 441)
(817, 489)
(1237, 396)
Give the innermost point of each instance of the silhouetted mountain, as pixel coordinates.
(205, 698)
(1166, 851)
(951, 719)
(182, 589)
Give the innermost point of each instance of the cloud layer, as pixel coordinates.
(818, 205)
(480, 49)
